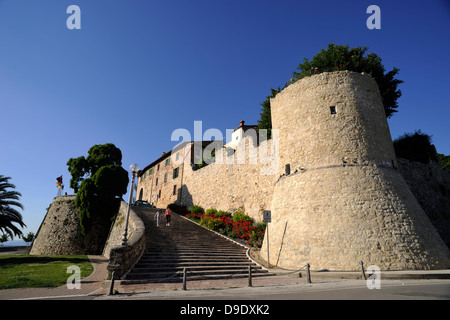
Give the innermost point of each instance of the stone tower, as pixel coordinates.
(338, 197)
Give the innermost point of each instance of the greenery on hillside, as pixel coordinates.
(418, 147)
(444, 161)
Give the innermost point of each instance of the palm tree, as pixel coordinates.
(9, 215)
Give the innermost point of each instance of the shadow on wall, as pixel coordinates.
(185, 197)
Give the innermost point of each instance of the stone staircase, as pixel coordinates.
(184, 244)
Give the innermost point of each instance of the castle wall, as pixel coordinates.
(241, 181)
(343, 201)
(115, 236)
(430, 184)
(60, 231)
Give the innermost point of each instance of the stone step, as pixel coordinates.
(193, 259)
(184, 251)
(185, 245)
(196, 274)
(176, 268)
(192, 253)
(194, 263)
(178, 278)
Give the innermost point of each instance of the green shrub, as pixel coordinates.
(415, 147)
(211, 211)
(261, 226)
(212, 223)
(197, 209)
(221, 213)
(205, 220)
(240, 216)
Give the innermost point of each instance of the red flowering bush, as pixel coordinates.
(223, 223)
(194, 216)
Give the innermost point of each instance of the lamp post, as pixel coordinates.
(134, 168)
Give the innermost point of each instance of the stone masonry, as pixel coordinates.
(343, 199)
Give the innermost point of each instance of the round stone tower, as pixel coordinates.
(338, 197)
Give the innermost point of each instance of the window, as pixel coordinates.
(150, 172)
(159, 194)
(157, 168)
(165, 177)
(178, 156)
(333, 110)
(175, 173)
(174, 190)
(156, 182)
(167, 162)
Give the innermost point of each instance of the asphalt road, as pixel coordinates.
(275, 302)
(337, 290)
(341, 290)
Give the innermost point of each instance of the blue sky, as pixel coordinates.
(138, 70)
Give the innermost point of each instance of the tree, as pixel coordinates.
(415, 147)
(265, 122)
(444, 160)
(78, 170)
(8, 214)
(357, 59)
(98, 156)
(29, 237)
(100, 182)
(4, 238)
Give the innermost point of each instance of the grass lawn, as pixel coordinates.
(20, 270)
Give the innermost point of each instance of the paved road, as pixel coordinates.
(338, 290)
(280, 301)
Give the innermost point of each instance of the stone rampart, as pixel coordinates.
(343, 200)
(242, 180)
(60, 231)
(123, 257)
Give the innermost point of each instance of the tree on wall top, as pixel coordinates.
(99, 181)
(357, 59)
(338, 57)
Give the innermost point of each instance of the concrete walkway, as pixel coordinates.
(97, 285)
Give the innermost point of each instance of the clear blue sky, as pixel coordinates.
(137, 70)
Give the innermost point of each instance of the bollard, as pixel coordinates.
(111, 288)
(308, 273)
(250, 276)
(184, 279)
(362, 270)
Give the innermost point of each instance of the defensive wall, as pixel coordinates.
(60, 234)
(337, 193)
(339, 197)
(242, 180)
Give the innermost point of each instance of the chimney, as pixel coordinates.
(163, 154)
(242, 123)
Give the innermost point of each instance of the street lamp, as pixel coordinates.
(134, 168)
